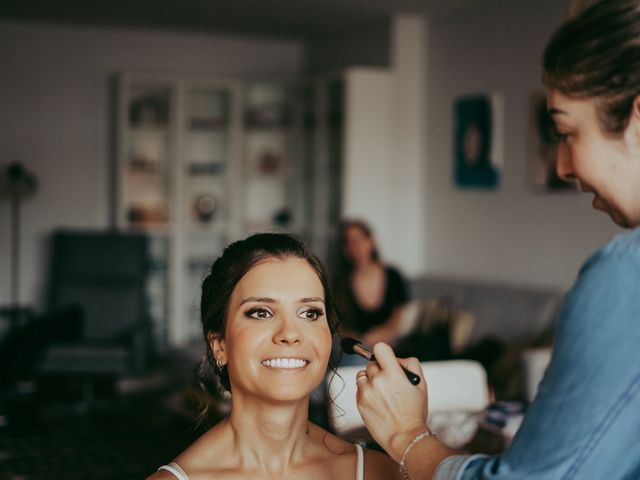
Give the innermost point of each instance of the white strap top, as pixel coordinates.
(180, 474)
(360, 463)
(174, 468)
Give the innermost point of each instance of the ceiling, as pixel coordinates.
(306, 20)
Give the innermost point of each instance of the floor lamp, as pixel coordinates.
(16, 184)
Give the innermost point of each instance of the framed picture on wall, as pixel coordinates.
(478, 141)
(543, 149)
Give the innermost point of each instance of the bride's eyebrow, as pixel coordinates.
(311, 299)
(258, 300)
(273, 300)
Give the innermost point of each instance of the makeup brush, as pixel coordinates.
(352, 346)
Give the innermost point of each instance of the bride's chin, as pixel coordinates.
(283, 393)
(283, 399)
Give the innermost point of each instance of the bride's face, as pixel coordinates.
(277, 340)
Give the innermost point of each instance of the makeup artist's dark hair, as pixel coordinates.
(236, 261)
(596, 55)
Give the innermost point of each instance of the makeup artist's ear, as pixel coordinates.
(217, 344)
(632, 131)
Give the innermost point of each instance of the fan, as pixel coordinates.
(16, 184)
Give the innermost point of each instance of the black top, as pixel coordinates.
(361, 320)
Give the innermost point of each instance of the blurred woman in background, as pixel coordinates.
(370, 294)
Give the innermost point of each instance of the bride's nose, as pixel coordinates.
(288, 332)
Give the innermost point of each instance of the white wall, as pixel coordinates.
(514, 234)
(366, 188)
(384, 147)
(406, 172)
(54, 116)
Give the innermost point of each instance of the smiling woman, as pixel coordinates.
(268, 318)
(277, 340)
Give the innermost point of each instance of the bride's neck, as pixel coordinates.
(269, 436)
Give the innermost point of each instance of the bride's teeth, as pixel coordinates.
(284, 363)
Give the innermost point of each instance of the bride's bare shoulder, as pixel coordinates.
(197, 455)
(334, 444)
(377, 465)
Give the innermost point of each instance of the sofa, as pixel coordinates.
(511, 319)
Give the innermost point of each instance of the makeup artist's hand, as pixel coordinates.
(393, 409)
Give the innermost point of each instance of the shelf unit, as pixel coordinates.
(200, 163)
(323, 134)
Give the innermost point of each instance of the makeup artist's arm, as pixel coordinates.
(395, 412)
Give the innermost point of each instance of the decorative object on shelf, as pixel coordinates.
(209, 109)
(149, 110)
(269, 163)
(148, 215)
(266, 153)
(203, 123)
(478, 141)
(143, 164)
(543, 145)
(204, 207)
(17, 183)
(267, 106)
(264, 199)
(210, 168)
(268, 115)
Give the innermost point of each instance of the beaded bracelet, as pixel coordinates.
(420, 436)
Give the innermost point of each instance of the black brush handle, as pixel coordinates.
(413, 378)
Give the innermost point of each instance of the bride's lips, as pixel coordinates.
(285, 363)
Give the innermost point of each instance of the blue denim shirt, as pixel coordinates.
(585, 421)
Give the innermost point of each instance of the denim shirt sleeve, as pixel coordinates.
(453, 467)
(584, 421)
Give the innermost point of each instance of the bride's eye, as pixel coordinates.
(258, 313)
(312, 313)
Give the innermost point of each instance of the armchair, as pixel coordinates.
(97, 293)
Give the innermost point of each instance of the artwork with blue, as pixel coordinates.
(476, 128)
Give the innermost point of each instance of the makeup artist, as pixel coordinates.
(585, 420)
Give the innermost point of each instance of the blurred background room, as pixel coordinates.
(138, 138)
